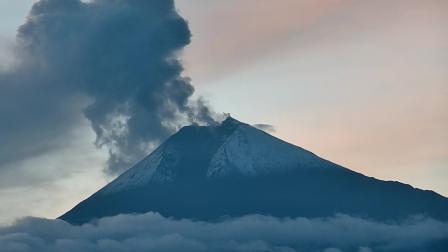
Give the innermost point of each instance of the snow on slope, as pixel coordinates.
(250, 151)
(246, 151)
(147, 170)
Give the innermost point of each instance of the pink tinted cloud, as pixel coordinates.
(370, 77)
(229, 36)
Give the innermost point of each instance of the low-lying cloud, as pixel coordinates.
(152, 232)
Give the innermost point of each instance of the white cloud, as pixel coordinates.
(152, 232)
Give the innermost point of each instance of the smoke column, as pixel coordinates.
(122, 55)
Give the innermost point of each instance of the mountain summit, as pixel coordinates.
(200, 153)
(234, 169)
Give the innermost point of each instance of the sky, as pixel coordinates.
(361, 83)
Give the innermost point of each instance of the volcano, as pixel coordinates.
(233, 169)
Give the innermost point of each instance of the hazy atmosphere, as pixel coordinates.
(361, 83)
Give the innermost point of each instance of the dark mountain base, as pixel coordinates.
(299, 193)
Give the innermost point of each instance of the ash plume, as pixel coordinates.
(122, 55)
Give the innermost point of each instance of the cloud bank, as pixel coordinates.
(117, 61)
(152, 232)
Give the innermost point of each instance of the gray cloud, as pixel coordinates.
(265, 127)
(117, 61)
(152, 232)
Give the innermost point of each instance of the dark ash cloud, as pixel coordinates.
(115, 60)
(152, 232)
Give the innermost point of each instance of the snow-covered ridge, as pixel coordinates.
(243, 150)
(249, 151)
